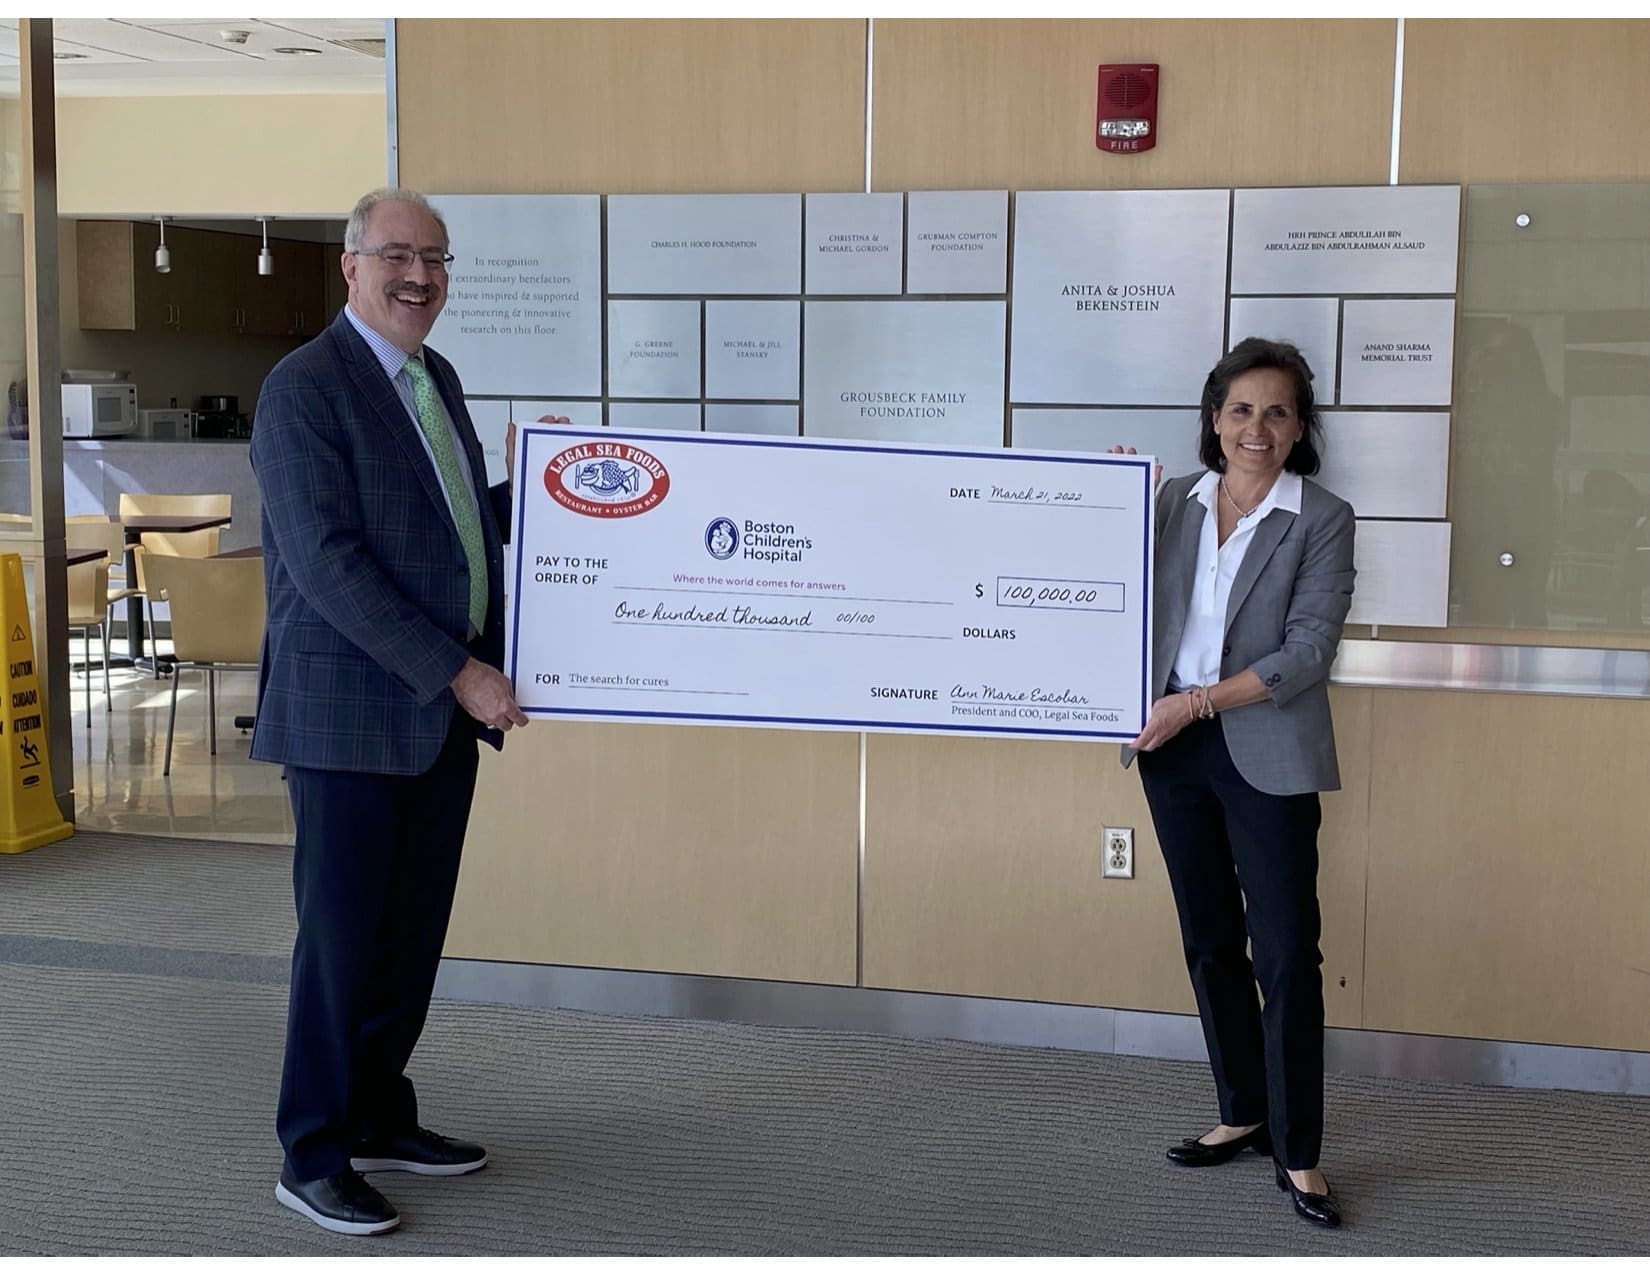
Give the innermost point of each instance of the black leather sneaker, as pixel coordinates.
(420, 1151)
(344, 1203)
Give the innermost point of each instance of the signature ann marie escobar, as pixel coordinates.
(1012, 695)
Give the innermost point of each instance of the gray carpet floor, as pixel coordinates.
(142, 1008)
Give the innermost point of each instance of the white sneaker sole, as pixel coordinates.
(331, 1223)
(363, 1165)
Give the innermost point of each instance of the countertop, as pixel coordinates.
(127, 441)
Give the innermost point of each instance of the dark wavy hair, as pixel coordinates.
(1253, 354)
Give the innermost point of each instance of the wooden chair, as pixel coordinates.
(186, 544)
(200, 504)
(217, 609)
(88, 588)
(96, 531)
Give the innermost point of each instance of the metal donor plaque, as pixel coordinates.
(752, 349)
(1396, 353)
(910, 371)
(853, 243)
(653, 349)
(1346, 240)
(958, 241)
(1119, 295)
(524, 302)
(704, 245)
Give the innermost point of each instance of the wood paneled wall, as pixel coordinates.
(1485, 868)
(1241, 103)
(693, 850)
(631, 107)
(1509, 868)
(1525, 101)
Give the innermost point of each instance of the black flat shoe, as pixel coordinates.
(1194, 1154)
(1320, 1210)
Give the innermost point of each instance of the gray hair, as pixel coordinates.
(356, 232)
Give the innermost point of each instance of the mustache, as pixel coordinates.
(407, 285)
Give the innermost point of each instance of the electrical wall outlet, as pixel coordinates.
(1117, 853)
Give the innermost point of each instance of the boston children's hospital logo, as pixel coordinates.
(722, 538)
(606, 480)
(755, 541)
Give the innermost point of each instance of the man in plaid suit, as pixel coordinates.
(385, 580)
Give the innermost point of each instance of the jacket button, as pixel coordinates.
(1225, 650)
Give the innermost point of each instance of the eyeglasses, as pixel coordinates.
(401, 258)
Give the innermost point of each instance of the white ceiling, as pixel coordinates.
(126, 57)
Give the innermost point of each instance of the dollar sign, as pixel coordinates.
(979, 591)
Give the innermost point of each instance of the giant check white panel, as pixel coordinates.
(726, 579)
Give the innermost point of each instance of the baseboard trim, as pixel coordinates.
(981, 1020)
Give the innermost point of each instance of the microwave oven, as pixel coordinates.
(166, 424)
(99, 411)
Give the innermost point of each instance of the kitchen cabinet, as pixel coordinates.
(309, 288)
(113, 293)
(201, 270)
(290, 302)
(265, 300)
(213, 288)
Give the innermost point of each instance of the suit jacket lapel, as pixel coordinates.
(1176, 562)
(368, 374)
(1266, 539)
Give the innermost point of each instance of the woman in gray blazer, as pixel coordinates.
(1253, 582)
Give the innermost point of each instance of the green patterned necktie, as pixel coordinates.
(458, 491)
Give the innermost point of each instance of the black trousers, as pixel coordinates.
(373, 877)
(1243, 865)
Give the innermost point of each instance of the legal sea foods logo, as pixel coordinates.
(606, 480)
(722, 539)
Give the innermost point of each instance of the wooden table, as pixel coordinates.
(136, 525)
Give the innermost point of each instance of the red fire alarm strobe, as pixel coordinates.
(1126, 122)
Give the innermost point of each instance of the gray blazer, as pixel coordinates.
(1284, 618)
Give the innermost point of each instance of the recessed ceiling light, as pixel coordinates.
(300, 51)
(69, 57)
(234, 36)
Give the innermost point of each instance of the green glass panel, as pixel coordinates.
(1550, 476)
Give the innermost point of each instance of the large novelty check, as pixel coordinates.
(752, 581)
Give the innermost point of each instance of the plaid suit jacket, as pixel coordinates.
(365, 576)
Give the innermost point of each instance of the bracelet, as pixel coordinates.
(1201, 706)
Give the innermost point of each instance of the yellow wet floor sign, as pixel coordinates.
(30, 816)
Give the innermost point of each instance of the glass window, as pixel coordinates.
(14, 447)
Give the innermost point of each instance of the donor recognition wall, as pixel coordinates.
(916, 317)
